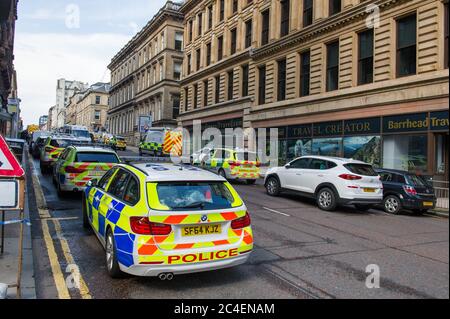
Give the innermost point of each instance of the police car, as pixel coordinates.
(166, 219)
(79, 164)
(118, 143)
(233, 164)
(52, 148)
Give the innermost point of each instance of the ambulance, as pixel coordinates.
(161, 141)
(162, 220)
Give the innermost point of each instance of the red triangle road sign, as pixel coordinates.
(9, 166)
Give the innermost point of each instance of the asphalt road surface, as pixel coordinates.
(300, 252)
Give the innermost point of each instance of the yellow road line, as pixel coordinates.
(58, 277)
(84, 290)
(61, 287)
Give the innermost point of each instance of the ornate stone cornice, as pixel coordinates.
(321, 27)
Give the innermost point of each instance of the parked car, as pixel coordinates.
(36, 147)
(404, 190)
(331, 181)
(34, 138)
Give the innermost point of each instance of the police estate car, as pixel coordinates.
(166, 219)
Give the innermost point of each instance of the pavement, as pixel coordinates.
(9, 259)
(300, 253)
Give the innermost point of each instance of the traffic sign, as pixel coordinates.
(9, 166)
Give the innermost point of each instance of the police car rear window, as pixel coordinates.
(246, 156)
(59, 143)
(96, 157)
(189, 196)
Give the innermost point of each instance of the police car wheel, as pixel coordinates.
(59, 191)
(112, 264)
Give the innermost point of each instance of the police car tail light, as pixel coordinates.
(234, 163)
(48, 149)
(142, 226)
(258, 164)
(241, 222)
(75, 170)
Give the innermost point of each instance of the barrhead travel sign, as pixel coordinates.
(416, 122)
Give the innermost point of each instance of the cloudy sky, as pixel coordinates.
(72, 39)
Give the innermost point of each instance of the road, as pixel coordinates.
(300, 252)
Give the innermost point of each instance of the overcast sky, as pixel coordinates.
(53, 41)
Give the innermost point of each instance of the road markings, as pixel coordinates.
(44, 214)
(63, 292)
(276, 212)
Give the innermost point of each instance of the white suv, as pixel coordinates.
(330, 180)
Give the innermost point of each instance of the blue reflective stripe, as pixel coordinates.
(124, 246)
(101, 224)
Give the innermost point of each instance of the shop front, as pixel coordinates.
(415, 142)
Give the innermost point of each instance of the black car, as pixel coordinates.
(405, 190)
(37, 146)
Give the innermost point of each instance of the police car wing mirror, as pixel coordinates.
(92, 183)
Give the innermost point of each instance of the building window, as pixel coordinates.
(245, 80)
(285, 16)
(208, 54)
(406, 46)
(97, 115)
(305, 66)
(230, 85)
(248, 33)
(176, 106)
(198, 59)
(177, 71)
(186, 98)
(265, 16)
(217, 89)
(200, 24)
(222, 10)
(195, 93)
(262, 85)
(365, 57)
(332, 66)
(307, 12)
(281, 88)
(405, 152)
(334, 6)
(191, 26)
(233, 40)
(98, 99)
(235, 6)
(179, 41)
(205, 92)
(189, 64)
(219, 48)
(163, 41)
(210, 17)
(446, 35)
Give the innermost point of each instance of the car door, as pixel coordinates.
(113, 197)
(291, 176)
(60, 162)
(317, 173)
(96, 195)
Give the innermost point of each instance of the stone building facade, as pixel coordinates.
(145, 76)
(361, 79)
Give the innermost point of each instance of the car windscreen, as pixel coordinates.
(120, 138)
(81, 133)
(246, 156)
(361, 169)
(60, 143)
(96, 157)
(188, 196)
(155, 137)
(416, 180)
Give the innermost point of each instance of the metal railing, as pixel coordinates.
(441, 189)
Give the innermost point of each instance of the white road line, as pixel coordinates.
(276, 212)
